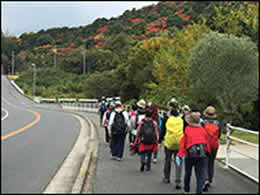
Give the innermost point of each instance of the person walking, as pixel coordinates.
(213, 129)
(140, 114)
(186, 110)
(171, 134)
(156, 117)
(147, 139)
(102, 109)
(117, 127)
(106, 121)
(132, 115)
(194, 145)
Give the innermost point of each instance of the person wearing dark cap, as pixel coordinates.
(194, 145)
(213, 128)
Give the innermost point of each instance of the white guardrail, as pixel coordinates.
(244, 161)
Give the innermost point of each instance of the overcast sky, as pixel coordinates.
(18, 17)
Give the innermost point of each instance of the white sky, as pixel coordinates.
(18, 17)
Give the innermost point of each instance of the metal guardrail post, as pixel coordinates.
(227, 145)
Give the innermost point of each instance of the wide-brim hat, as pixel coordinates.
(118, 103)
(210, 112)
(186, 108)
(141, 104)
(193, 119)
(173, 103)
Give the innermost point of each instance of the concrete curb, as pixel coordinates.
(16, 87)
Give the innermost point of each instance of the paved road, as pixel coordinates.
(30, 158)
(125, 177)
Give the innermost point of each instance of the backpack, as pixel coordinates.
(174, 132)
(119, 125)
(109, 114)
(103, 107)
(147, 132)
(212, 130)
(197, 151)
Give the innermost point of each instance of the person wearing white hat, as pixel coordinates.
(118, 125)
(140, 114)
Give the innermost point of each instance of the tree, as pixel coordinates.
(225, 67)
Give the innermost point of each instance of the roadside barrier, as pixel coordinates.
(241, 160)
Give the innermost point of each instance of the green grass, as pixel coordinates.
(246, 136)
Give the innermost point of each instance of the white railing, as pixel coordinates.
(90, 105)
(240, 159)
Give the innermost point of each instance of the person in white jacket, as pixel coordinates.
(118, 126)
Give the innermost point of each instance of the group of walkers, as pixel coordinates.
(190, 138)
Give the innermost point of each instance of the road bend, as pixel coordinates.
(34, 142)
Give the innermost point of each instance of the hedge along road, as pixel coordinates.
(34, 142)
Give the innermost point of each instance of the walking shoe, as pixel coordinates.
(206, 186)
(118, 158)
(148, 169)
(178, 187)
(113, 158)
(187, 192)
(166, 180)
(142, 168)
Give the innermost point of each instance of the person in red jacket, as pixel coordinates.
(213, 128)
(147, 138)
(194, 145)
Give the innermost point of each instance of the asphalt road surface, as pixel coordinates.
(124, 176)
(34, 142)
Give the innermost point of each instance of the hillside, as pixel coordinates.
(137, 24)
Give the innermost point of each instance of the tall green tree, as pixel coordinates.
(225, 67)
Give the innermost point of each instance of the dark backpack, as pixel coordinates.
(197, 151)
(119, 125)
(147, 132)
(103, 107)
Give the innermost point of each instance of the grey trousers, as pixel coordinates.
(167, 165)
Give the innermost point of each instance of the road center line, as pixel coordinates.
(38, 116)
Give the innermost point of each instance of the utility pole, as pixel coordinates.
(34, 80)
(84, 61)
(12, 62)
(55, 57)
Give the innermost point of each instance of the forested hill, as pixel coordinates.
(134, 25)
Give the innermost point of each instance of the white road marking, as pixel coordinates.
(6, 115)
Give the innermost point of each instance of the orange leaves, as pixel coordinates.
(102, 29)
(179, 12)
(136, 20)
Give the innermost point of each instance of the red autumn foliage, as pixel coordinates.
(136, 20)
(179, 12)
(155, 29)
(100, 43)
(103, 29)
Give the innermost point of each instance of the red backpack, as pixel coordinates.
(212, 130)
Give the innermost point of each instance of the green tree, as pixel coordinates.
(225, 67)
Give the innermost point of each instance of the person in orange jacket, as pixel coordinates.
(195, 146)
